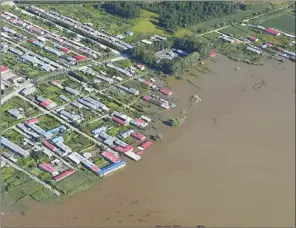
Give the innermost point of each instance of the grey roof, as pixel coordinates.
(72, 91)
(16, 51)
(90, 105)
(15, 113)
(36, 128)
(13, 147)
(120, 143)
(64, 98)
(63, 147)
(99, 130)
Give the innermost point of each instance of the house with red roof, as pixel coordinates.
(117, 120)
(4, 69)
(49, 145)
(138, 136)
(253, 38)
(272, 31)
(121, 149)
(32, 121)
(64, 175)
(140, 67)
(66, 50)
(165, 91)
(80, 58)
(48, 168)
(145, 145)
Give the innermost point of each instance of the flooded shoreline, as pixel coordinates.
(231, 163)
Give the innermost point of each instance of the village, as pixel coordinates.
(77, 109)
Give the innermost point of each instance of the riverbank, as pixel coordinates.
(231, 163)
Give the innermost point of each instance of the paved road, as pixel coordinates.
(31, 176)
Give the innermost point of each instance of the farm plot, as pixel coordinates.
(24, 107)
(18, 186)
(284, 22)
(76, 141)
(47, 122)
(48, 91)
(12, 62)
(14, 136)
(72, 182)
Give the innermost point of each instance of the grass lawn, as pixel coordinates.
(17, 66)
(14, 136)
(76, 141)
(16, 102)
(72, 181)
(48, 122)
(284, 22)
(147, 24)
(51, 92)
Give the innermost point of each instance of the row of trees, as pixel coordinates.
(123, 9)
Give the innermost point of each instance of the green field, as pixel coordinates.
(16, 102)
(51, 92)
(147, 25)
(13, 136)
(76, 141)
(17, 66)
(72, 181)
(284, 22)
(48, 122)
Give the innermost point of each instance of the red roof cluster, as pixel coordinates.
(148, 83)
(253, 38)
(49, 145)
(272, 31)
(165, 91)
(32, 121)
(117, 120)
(146, 144)
(45, 103)
(212, 54)
(66, 50)
(64, 175)
(4, 69)
(138, 136)
(124, 149)
(110, 156)
(47, 167)
(80, 58)
(146, 98)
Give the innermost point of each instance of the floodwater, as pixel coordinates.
(232, 163)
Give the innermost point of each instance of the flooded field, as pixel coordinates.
(231, 163)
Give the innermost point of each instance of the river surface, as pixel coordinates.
(231, 163)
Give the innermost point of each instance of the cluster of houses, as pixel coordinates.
(115, 163)
(157, 101)
(46, 103)
(126, 72)
(90, 103)
(10, 34)
(11, 18)
(154, 38)
(129, 90)
(117, 144)
(17, 113)
(43, 63)
(99, 76)
(83, 28)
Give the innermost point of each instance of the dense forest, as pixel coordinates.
(175, 14)
(122, 9)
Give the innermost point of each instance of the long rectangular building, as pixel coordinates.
(14, 148)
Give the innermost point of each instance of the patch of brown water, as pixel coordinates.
(235, 171)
